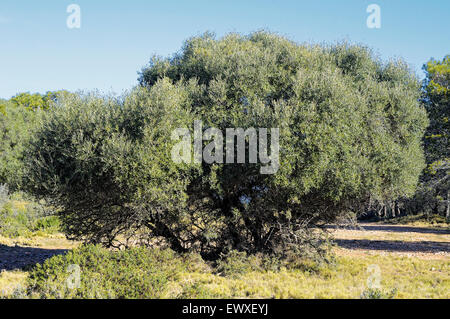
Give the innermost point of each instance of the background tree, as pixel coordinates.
(14, 128)
(437, 138)
(36, 101)
(350, 130)
(17, 116)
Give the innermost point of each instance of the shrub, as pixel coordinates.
(48, 224)
(17, 118)
(131, 273)
(350, 130)
(15, 128)
(374, 293)
(20, 216)
(234, 263)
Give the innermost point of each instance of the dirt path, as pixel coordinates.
(424, 242)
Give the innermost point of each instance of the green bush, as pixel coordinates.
(15, 128)
(14, 223)
(17, 219)
(20, 216)
(131, 273)
(234, 263)
(17, 118)
(48, 224)
(350, 130)
(375, 293)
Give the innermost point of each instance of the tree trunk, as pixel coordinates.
(379, 212)
(161, 229)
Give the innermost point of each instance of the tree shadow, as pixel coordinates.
(394, 229)
(18, 257)
(395, 246)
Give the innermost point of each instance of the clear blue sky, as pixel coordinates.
(117, 37)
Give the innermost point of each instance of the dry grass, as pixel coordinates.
(408, 277)
(415, 264)
(11, 280)
(40, 240)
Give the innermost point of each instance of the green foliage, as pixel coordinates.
(15, 127)
(139, 273)
(350, 130)
(22, 217)
(131, 273)
(48, 224)
(437, 139)
(371, 293)
(433, 194)
(421, 220)
(234, 263)
(17, 117)
(437, 102)
(36, 101)
(2, 107)
(107, 163)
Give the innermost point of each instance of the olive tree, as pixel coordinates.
(350, 129)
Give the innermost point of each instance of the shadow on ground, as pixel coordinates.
(395, 246)
(394, 229)
(18, 257)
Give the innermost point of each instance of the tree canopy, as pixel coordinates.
(437, 137)
(17, 117)
(350, 129)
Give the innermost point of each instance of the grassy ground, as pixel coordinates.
(14, 254)
(403, 261)
(403, 277)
